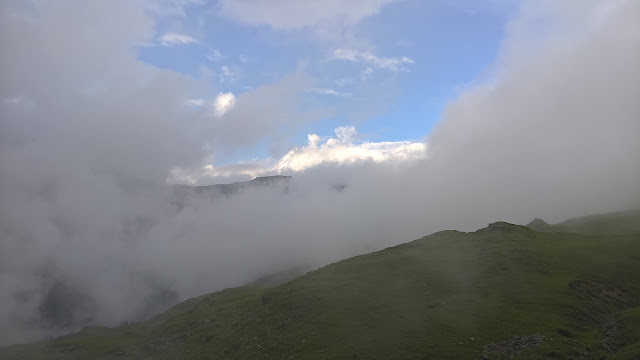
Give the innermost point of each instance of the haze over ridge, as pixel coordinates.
(89, 134)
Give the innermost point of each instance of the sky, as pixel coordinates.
(385, 68)
(428, 115)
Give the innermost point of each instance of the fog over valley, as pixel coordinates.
(101, 219)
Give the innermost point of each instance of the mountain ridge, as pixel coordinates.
(615, 223)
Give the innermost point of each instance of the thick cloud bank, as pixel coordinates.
(89, 233)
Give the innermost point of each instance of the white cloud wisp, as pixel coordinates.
(371, 61)
(173, 39)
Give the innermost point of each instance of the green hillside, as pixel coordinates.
(502, 292)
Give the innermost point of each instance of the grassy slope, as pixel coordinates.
(445, 296)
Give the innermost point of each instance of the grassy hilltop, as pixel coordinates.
(500, 292)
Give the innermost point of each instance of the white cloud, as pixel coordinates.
(215, 55)
(292, 14)
(366, 73)
(371, 61)
(366, 57)
(251, 169)
(225, 73)
(266, 112)
(221, 174)
(327, 91)
(223, 103)
(342, 150)
(172, 38)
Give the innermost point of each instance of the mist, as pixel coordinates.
(90, 232)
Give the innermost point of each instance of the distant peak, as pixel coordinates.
(538, 223)
(505, 226)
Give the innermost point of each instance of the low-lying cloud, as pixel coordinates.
(90, 233)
